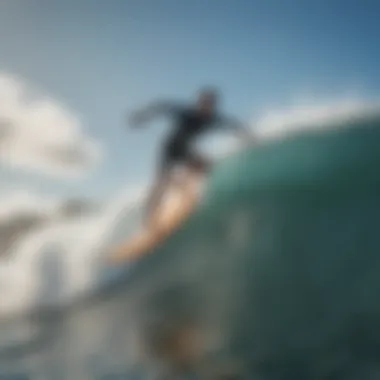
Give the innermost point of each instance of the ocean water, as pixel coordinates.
(276, 276)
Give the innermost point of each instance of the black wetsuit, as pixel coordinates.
(189, 124)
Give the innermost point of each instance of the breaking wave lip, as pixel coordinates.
(121, 222)
(314, 116)
(23, 287)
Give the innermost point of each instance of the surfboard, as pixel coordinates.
(177, 206)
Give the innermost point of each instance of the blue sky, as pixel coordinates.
(102, 59)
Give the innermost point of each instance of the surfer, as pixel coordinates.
(190, 121)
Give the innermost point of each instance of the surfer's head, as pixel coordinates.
(207, 100)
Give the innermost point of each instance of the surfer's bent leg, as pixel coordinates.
(161, 183)
(156, 193)
(198, 164)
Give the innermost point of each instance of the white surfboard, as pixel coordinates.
(174, 210)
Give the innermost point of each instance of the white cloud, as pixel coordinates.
(38, 133)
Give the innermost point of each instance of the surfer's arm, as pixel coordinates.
(152, 111)
(240, 129)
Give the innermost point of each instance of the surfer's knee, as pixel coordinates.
(200, 166)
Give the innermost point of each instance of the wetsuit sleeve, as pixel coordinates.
(154, 110)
